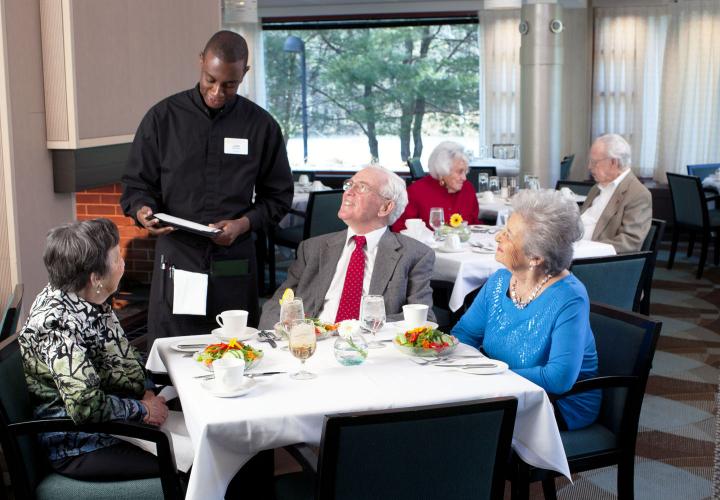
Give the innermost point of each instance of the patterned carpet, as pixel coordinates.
(676, 442)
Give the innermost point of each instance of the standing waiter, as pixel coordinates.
(210, 156)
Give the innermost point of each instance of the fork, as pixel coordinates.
(264, 336)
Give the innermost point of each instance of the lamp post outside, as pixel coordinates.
(296, 45)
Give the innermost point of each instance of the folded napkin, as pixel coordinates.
(182, 445)
(424, 235)
(189, 292)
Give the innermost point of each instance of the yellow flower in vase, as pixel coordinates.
(456, 220)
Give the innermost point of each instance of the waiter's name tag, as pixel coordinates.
(236, 146)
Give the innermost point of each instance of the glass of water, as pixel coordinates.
(372, 317)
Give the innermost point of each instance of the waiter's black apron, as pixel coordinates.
(232, 282)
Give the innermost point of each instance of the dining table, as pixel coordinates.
(279, 410)
(469, 266)
(496, 208)
(300, 199)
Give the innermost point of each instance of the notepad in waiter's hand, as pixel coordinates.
(187, 225)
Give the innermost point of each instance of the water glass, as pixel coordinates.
(494, 184)
(482, 182)
(534, 183)
(436, 219)
(290, 311)
(302, 344)
(512, 186)
(372, 317)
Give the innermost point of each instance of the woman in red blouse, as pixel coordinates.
(445, 187)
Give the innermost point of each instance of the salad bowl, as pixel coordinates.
(425, 342)
(249, 354)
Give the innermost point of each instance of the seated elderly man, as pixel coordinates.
(618, 209)
(332, 272)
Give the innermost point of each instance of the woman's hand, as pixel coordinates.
(157, 410)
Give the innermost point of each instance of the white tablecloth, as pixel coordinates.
(499, 206)
(469, 270)
(280, 411)
(503, 167)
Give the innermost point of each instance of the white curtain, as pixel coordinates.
(243, 19)
(690, 113)
(499, 48)
(627, 78)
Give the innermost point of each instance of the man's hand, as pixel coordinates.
(157, 410)
(144, 217)
(231, 230)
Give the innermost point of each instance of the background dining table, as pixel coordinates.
(279, 411)
(470, 267)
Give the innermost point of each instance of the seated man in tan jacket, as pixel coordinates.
(618, 209)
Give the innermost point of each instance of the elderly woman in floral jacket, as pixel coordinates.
(78, 362)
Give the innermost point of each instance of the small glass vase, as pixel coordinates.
(351, 349)
(463, 231)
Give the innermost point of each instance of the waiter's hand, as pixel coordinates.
(144, 217)
(231, 230)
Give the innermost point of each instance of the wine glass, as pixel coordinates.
(302, 343)
(437, 219)
(483, 182)
(372, 316)
(494, 184)
(290, 310)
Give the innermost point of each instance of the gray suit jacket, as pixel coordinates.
(402, 271)
(626, 220)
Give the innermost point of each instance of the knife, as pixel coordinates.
(191, 346)
(479, 365)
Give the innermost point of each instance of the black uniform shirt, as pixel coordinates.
(178, 164)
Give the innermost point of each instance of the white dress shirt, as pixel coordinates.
(591, 216)
(332, 297)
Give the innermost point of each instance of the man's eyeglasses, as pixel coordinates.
(592, 162)
(359, 188)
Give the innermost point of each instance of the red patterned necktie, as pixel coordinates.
(349, 307)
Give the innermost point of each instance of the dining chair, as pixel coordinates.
(702, 170)
(625, 343)
(651, 244)
(320, 218)
(416, 169)
(29, 470)
(457, 450)
(616, 280)
(12, 313)
(691, 214)
(565, 166)
(578, 187)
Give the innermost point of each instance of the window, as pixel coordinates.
(375, 91)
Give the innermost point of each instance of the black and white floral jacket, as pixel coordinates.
(78, 363)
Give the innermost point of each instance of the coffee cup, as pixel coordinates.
(233, 322)
(415, 315)
(229, 373)
(452, 242)
(304, 180)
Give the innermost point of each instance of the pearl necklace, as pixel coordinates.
(522, 304)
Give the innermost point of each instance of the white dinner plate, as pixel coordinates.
(249, 333)
(444, 249)
(500, 367)
(189, 346)
(400, 325)
(213, 388)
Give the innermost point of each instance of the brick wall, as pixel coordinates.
(137, 247)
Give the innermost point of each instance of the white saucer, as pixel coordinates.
(212, 387)
(402, 327)
(249, 333)
(500, 368)
(444, 249)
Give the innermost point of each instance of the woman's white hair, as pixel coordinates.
(443, 156)
(552, 225)
(617, 148)
(394, 189)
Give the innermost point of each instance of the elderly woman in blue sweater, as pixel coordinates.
(534, 315)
